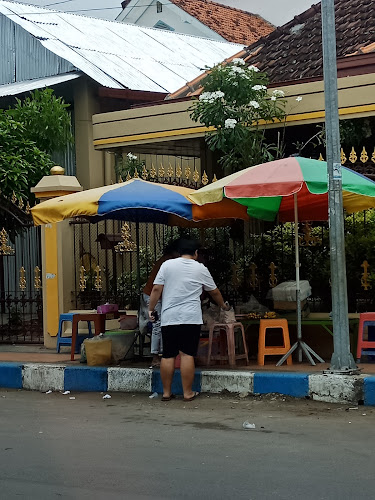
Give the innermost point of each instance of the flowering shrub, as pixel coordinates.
(127, 166)
(235, 101)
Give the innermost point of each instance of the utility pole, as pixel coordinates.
(342, 360)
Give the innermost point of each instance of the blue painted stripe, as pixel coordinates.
(82, 378)
(290, 384)
(11, 375)
(157, 386)
(369, 391)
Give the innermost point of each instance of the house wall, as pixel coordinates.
(171, 121)
(144, 13)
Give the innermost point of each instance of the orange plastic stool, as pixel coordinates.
(231, 346)
(365, 319)
(264, 350)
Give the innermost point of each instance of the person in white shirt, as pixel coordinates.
(180, 283)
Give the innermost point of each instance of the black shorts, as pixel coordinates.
(184, 338)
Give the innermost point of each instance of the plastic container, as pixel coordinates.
(286, 291)
(121, 342)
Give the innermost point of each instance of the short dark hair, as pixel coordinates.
(172, 247)
(188, 247)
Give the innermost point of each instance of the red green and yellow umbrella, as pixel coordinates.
(293, 189)
(268, 190)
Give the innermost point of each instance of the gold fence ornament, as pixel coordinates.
(204, 178)
(187, 173)
(273, 278)
(22, 284)
(136, 174)
(37, 280)
(14, 198)
(127, 244)
(121, 180)
(353, 156)
(82, 279)
(21, 203)
(235, 278)
(5, 249)
(254, 280)
(196, 175)
(144, 173)
(153, 171)
(308, 239)
(364, 277)
(364, 155)
(28, 208)
(178, 172)
(321, 157)
(170, 171)
(214, 178)
(128, 177)
(373, 156)
(98, 285)
(161, 171)
(343, 157)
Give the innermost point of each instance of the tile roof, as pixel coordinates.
(294, 51)
(234, 25)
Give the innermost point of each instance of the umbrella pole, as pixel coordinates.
(300, 344)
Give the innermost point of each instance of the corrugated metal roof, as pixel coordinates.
(38, 83)
(119, 55)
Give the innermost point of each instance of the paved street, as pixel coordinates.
(134, 447)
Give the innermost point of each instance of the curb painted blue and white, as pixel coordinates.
(330, 388)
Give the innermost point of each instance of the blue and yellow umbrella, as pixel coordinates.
(138, 201)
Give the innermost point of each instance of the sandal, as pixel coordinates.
(196, 394)
(168, 398)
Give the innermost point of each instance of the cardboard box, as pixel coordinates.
(286, 305)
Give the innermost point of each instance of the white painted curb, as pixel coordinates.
(129, 379)
(232, 381)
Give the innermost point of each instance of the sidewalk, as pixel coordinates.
(37, 368)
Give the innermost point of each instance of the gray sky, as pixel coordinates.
(277, 12)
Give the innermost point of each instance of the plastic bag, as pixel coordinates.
(252, 305)
(98, 350)
(227, 316)
(211, 315)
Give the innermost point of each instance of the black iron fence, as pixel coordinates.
(21, 304)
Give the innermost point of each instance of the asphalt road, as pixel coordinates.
(133, 447)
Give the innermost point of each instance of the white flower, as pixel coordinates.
(238, 61)
(273, 98)
(278, 93)
(299, 99)
(211, 96)
(236, 69)
(230, 123)
(254, 104)
(131, 156)
(253, 68)
(259, 87)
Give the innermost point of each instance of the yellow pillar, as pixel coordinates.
(57, 250)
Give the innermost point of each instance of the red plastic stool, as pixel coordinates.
(231, 346)
(365, 319)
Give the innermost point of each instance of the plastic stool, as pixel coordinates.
(229, 330)
(264, 350)
(61, 341)
(365, 319)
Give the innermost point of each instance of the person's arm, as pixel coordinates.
(218, 298)
(157, 290)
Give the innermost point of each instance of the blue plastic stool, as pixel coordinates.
(61, 341)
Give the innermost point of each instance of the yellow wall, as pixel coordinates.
(171, 120)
